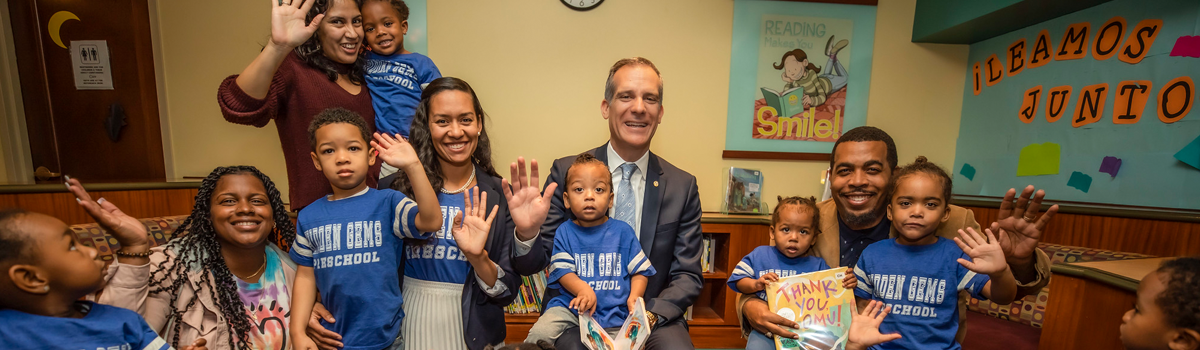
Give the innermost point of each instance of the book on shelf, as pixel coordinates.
(708, 253)
(743, 192)
(529, 295)
(632, 336)
(819, 303)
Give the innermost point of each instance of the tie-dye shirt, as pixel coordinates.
(268, 303)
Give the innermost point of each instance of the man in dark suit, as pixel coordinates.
(661, 202)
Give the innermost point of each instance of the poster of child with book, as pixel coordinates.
(799, 75)
(802, 77)
(819, 303)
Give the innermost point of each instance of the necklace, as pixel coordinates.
(464, 188)
(260, 270)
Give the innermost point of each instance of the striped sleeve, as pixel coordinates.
(639, 264)
(150, 339)
(865, 289)
(561, 262)
(972, 282)
(302, 251)
(744, 269)
(404, 225)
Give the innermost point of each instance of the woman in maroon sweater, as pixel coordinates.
(311, 63)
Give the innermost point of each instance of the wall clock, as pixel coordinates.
(582, 5)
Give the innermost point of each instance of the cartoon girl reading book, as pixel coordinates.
(798, 72)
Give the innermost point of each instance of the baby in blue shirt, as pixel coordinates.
(795, 224)
(597, 263)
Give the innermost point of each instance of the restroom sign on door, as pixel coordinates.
(90, 60)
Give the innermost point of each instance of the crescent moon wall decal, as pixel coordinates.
(55, 24)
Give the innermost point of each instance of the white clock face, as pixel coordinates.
(582, 5)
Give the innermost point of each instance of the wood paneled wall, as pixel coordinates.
(136, 203)
(1144, 236)
(1089, 319)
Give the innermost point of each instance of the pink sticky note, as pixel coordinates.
(1186, 46)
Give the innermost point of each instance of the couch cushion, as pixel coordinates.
(158, 229)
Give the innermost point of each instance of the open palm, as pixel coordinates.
(864, 327)
(526, 204)
(471, 228)
(288, 26)
(1020, 227)
(395, 151)
(986, 255)
(128, 231)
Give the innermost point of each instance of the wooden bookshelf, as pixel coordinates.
(714, 322)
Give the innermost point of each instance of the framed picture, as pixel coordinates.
(798, 78)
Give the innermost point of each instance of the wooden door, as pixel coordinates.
(67, 132)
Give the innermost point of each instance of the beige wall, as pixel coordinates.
(539, 69)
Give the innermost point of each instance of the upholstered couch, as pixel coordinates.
(159, 229)
(1031, 310)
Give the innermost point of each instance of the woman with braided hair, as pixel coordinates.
(222, 277)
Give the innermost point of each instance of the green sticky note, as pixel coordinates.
(1080, 181)
(968, 171)
(1190, 154)
(1039, 159)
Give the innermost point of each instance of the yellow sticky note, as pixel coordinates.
(1039, 159)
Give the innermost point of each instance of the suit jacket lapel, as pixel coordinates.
(485, 185)
(600, 153)
(651, 202)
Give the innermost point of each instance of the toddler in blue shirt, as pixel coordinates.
(917, 274)
(348, 243)
(46, 272)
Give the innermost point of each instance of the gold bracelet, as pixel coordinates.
(126, 254)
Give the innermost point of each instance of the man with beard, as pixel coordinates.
(862, 163)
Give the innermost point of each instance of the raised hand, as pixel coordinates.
(864, 327)
(288, 27)
(526, 203)
(129, 232)
(471, 231)
(986, 256)
(395, 151)
(1020, 227)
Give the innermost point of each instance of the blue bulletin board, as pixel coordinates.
(1126, 134)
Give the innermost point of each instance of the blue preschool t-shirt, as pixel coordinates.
(438, 259)
(353, 246)
(102, 327)
(606, 256)
(766, 259)
(921, 284)
(396, 82)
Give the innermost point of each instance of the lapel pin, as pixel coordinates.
(655, 183)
